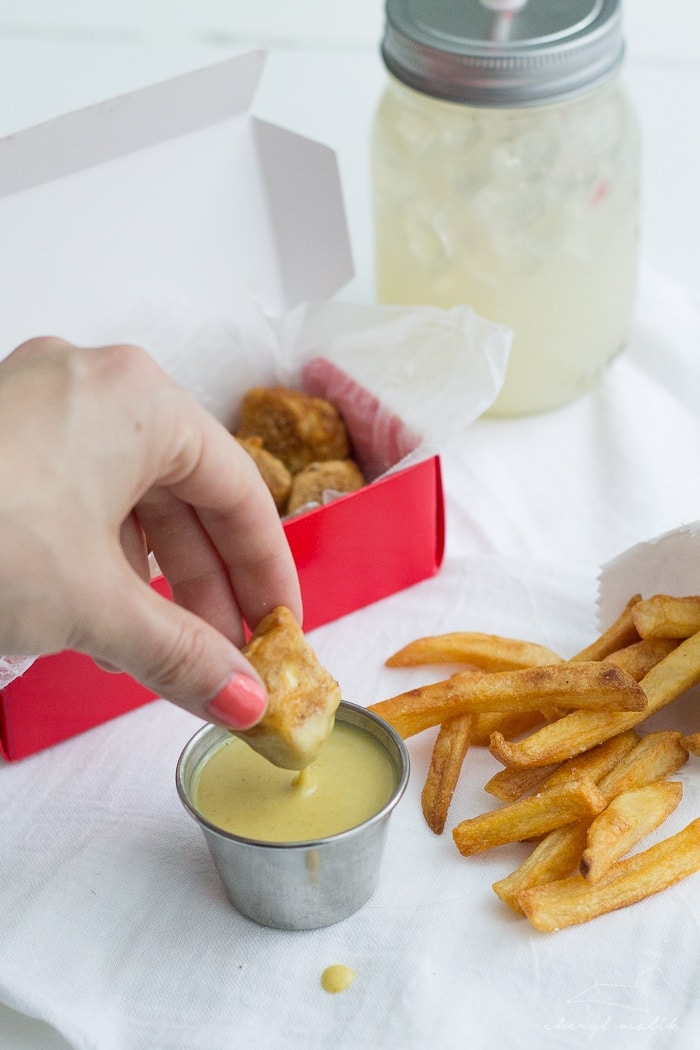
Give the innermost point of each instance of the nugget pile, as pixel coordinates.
(300, 445)
(581, 777)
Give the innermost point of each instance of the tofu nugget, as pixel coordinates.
(310, 484)
(296, 427)
(272, 470)
(303, 695)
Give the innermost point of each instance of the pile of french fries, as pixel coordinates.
(582, 779)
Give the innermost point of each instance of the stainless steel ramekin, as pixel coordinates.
(298, 885)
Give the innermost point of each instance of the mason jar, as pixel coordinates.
(505, 160)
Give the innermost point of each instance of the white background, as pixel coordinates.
(622, 462)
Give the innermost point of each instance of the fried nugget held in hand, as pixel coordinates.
(303, 695)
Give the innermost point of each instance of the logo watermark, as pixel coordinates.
(626, 1008)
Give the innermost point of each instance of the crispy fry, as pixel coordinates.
(555, 857)
(570, 901)
(449, 751)
(581, 730)
(558, 854)
(618, 635)
(657, 755)
(529, 817)
(692, 742)
(412, 712)
(663, 616)
(594, 764)
(638, 659)
(585, 685)
(626, 821)
(509, 785)
(490, 652)
(510, 723)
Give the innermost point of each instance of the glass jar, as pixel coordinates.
(506, 177)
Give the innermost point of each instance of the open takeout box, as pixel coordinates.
(173, 218)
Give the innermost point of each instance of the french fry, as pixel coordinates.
(510, 784)
(618, 635)
(490, 652)
(663, 616)
(692, 742)
(589, 685)
(528, 817)
(629, 818)
(639, 658)
(449, 751)
(594, 764)
(555, 857)
(416, 710)
(509, 723)
(567, 902)
(580, 730)
(655, 756)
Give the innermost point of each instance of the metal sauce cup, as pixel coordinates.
(298, 885)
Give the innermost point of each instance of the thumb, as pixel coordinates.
(177, 655)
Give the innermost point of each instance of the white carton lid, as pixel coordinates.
(172, 201)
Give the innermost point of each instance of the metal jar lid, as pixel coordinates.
(503, 52)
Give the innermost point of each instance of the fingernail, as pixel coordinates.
(240, 704)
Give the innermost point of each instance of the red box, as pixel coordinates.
(342, 566)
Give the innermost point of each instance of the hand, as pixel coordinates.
(103, 458)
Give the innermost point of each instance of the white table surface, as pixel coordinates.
(606, 475)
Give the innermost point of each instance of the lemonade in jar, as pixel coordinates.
(506, 177)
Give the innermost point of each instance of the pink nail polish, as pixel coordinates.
(240, 704)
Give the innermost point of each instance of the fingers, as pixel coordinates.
(216, 532)
(104, 452)
(176, 654)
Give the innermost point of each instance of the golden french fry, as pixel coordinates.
(509, 785)
(555, 857)
(528, 817)
(618, 635)
(692, 742)
(594, 764)
(509, 723)
(663, 616)
(657, 755)
(490, 652)
(556, 905)
(626, 821)
(638, 659)
(415, 710)
(585, 685)
(449, 750)
(559, 853)
(580, 730)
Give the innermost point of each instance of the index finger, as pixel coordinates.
(232, 541)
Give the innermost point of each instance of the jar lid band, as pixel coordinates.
(476, 52)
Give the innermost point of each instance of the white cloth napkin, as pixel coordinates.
(115, 933)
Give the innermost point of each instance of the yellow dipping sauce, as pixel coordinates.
(239, 791)
(337, 978)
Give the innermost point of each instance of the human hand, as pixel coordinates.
(103, 458)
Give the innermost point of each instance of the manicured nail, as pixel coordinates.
(240, 704)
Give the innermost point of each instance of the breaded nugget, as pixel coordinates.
(335, 475)
(296, 427)
(272, 470)
(303, 695)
